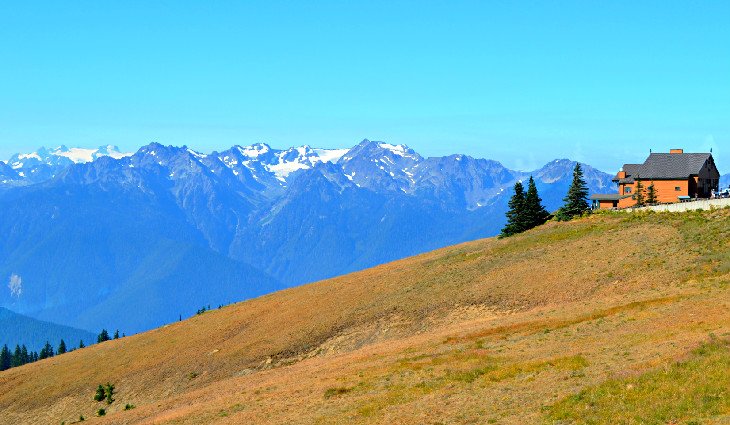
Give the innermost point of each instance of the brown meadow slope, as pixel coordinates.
(491, 331)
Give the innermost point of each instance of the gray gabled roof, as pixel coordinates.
(672, 165)
(631, 170)
(666, 166)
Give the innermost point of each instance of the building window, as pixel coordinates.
(627, 190)
(677, 188)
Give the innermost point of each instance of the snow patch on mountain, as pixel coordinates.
(197, 154)
(280, 163)
(400, 150)
(254, 151)
(330, 155)
(63, 155)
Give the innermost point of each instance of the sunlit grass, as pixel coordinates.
(682, 393)
(454, 369)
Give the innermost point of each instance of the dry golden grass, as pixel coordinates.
(491, 331)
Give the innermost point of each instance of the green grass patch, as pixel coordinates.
(337, 391)
(418, 376)
(682, 393)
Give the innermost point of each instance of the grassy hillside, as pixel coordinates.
(558, 325)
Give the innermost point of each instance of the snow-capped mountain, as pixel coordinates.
(45, 163)
(263, 161)
(169, 229)
(382, 166)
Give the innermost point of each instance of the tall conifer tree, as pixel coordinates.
(46, 351)
(17, 357)
(535, 214)
(576, 201)
(24, 354)
(103, 336)
(639, 196)
(515, 214)
(5, 358)
(62, 347)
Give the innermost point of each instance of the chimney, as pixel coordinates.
(621, 174)
(676, 151)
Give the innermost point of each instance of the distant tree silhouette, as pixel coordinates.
(5, 358)
(17, 357)
(103, 336)
(46, 351)
(24, 354)
(62, 347)
(116, 334)
(576, 201)
(534, 213)
(81, 344)
(515, 215)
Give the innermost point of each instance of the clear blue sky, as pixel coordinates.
(518, 81)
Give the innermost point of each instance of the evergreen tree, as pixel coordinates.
(24, 354)
(576, 201)
(62, 347)
(100, 393)
(109, 390)
(5, 358)
(17, 357)
(33, 356)
(116, 334)
(46, 351)
(103, 336)
(639, 195)
(515, 214)
(81, 344)
(535, 214)
(651, 194)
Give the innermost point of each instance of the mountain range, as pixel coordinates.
(22, 330)
(100, 238)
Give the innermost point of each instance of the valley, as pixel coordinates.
(171, 230)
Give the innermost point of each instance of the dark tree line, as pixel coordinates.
(526, 210)
(104, 336)
(21, 355)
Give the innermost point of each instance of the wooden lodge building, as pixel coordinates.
(676, 176)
